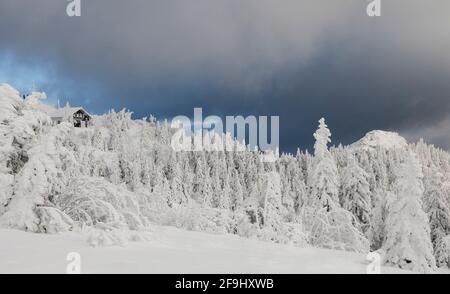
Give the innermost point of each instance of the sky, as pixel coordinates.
(297, 59)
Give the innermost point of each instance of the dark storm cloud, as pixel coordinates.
(297, 59)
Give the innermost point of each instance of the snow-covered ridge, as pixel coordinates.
(380, 139)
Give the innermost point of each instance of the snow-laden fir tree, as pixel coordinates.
(272, 217)
(38, 182)
(236, 193)
(407, 243)
(439, 218)
(323, 178)
(376, 231)
(20, 128)
(328, 224)
(355, 193)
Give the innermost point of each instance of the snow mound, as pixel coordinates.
(380, 139)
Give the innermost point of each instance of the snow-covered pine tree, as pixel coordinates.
(355, 193)
(288, 173)
(407, 243)
(236, 191)
(20, 128)
(329, 225)
(375, 232)
(38, 183)
(324, 178)
(439, 218)
(301, 193)
(272, 219)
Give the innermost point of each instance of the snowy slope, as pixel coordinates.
(382, 139)
(172, 251)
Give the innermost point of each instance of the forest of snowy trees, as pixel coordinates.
(119, 176)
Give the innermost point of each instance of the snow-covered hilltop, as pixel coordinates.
(118, 177)
(380, 139)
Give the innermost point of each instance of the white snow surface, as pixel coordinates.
(380, 139)
(172, 250)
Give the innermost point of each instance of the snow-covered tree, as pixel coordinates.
(91, 201)
(439, 218)
(323, 178)
(376, 231)
(237, 193)
(272, 201)
(407, 243)
(40, 180)
(329, 224)
(355, 193)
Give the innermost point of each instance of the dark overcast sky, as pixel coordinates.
(297, 59)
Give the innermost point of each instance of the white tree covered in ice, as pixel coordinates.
(407, 242)
(323, 178)
(329, 224)
(272, 217)
(355, 191)
(439, 218)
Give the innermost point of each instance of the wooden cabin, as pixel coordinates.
(80, 117)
